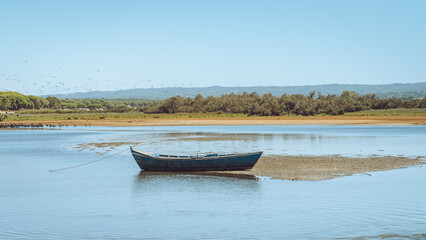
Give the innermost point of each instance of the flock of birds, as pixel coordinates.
(32, 81)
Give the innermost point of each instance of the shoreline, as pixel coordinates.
(282, 120)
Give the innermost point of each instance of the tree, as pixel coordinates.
(3, 117)
(54, 103)
(95, 106)
(38, 102)
(4, 103)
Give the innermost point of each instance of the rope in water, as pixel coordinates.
(79, 165)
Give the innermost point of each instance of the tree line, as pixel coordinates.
(269, 105)
(246, 103)
(18, 101)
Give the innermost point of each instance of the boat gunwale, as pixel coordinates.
(231, 155)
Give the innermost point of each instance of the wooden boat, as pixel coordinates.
(206, 162)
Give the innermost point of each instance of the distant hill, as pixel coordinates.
(383, 90)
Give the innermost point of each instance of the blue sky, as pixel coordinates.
(71, 46)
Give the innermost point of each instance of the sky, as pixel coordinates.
(59, 46)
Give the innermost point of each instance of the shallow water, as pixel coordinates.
(112, 199)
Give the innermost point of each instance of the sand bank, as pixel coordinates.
(314, 168)
(286, 120)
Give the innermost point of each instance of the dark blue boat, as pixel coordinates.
(206, 162)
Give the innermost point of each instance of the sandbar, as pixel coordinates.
(315, 168)
(281, 120)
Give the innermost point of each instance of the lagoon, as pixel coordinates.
(112, 199)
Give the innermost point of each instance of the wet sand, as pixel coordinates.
(315, 168)
(283, 120)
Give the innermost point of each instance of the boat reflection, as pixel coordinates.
(155, 174)
(182, 185)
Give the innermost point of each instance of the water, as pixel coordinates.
(111, 199)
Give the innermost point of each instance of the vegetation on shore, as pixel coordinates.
(17, 101)
(230, 105)
(269, 105)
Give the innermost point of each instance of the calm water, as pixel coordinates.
(111, 199)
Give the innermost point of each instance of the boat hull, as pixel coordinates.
(220, 163)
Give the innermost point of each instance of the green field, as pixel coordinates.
(47, 114)
(390, 112)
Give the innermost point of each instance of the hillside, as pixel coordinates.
(384, 90)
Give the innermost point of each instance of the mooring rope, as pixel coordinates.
(79, 165)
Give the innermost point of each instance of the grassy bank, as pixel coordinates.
(51, 115)
(412, 112)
